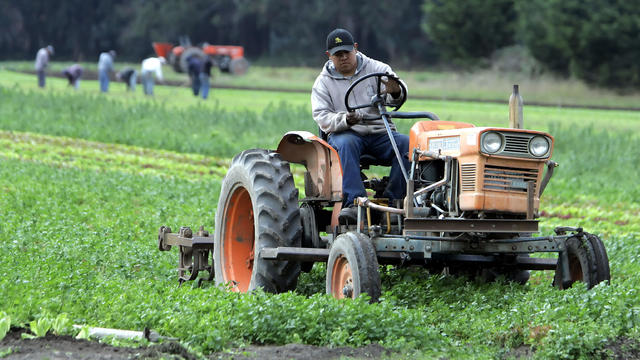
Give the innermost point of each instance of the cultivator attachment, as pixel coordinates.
(195, 250)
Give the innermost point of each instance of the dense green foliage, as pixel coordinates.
(290, 32)
(79, 218)
(593, 40)
(470, 30)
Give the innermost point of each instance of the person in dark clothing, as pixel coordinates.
(129, 76)
(194, 66)
(73, 74)
(205, 76)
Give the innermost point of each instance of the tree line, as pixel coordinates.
(594, 40)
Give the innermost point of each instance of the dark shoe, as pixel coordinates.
(348, 215)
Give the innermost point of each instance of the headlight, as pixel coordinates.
(538, 146)
(492, 142)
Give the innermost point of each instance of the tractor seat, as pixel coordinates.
(366, 160)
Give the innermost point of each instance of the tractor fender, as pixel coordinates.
(323, 178)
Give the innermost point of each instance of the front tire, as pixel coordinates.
(352, 268)
(588, 262)
(258, 208)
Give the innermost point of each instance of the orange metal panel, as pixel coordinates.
(162, 49)
(235, 52)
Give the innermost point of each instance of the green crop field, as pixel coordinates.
(86, 179)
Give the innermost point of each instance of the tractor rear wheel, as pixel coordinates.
(258, 208)
(588, 262)
(352, 268)
(183, 63)
(239, 66)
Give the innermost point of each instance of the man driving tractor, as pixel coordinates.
(358, 132)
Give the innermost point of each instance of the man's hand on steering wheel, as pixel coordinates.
(391, 87)
(353, 117)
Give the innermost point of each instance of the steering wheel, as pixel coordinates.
(379, 96)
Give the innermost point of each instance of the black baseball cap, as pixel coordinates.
(339, 39)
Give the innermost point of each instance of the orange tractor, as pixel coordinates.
(472, 201)
(228, 58)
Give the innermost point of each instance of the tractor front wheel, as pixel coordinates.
(352, 268)
(588, 262)
(258, 208)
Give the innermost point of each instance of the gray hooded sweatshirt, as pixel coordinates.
(330, 88)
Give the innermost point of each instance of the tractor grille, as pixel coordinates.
(499, 178)
(516, 144)
(468, 176)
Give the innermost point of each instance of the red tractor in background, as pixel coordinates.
(228, 58)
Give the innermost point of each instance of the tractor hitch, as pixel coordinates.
(195, 250)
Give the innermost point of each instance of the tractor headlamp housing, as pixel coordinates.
(515, 144)
(492, 142)
(538, 146)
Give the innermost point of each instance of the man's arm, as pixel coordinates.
(394, 91)
(324, 112)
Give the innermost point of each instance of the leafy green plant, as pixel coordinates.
(39, 328)
(5, 324)
(61, 324)
(83, 333)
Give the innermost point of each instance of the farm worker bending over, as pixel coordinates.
(42, 62)
(105, 68)
(73, 74)
(129, 76)
(349, 134)
(151, 67)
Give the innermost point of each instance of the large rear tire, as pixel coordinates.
(183, 65)
(588, 262)
(352, 268)
(239, 66)
(258, 208)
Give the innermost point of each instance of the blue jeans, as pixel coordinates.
(147, 82)
(204, 85)
(195, 83)
(350, 145)
(103, 76)
(131, 86)
(42, 76)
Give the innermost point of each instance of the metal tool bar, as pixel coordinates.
(174, 239)
(295, 253)
(466, 225)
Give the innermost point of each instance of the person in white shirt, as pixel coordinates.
(151, 69)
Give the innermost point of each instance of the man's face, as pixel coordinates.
(345, 61)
